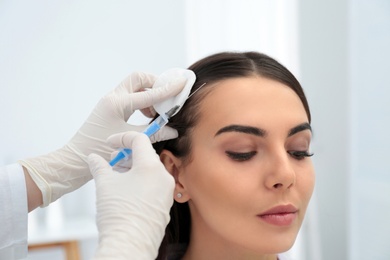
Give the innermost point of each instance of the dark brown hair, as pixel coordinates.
(209, 70)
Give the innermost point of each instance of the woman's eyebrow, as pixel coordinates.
(242, 129)
(299, 128)
(260, 132)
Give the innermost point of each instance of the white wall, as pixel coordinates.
(370, 171)
(344, 46)
(56, 54)
(57, 59)
(324, 70)
(228, 25)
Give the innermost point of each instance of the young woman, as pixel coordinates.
(241, 163)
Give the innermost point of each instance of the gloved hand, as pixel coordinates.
(66, 169)
(133, 206)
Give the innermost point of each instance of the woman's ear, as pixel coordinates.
(174, 166)
(171, 163)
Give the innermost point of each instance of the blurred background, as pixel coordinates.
(58, 58)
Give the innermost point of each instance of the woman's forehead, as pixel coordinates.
(238, 90)
(256, 97)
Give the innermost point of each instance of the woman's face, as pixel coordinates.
(248, 182)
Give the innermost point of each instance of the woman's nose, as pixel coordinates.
(281, 173)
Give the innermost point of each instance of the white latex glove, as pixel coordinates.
(66, 169)
(133, 206)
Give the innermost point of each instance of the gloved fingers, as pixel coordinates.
(138, 142)
(143, 152)
(123, 140)
(144, 99)
(166, 133)
(123, 165)
(97, 165)
(135, 128)
(148, 112)
(135, 82)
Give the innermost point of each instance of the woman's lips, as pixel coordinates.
(282, 215)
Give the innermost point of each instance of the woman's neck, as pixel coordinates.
(194, 252)
(204, 245)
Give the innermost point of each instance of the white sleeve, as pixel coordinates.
(13, 213)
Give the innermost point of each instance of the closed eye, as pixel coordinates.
(299, 155)
(241, 156)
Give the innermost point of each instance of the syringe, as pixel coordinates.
(155, 126)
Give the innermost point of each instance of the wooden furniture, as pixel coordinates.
(71, 248)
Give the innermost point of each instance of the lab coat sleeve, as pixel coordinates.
(13, 213)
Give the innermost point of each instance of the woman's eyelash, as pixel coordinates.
(241, 156)
(299, 155)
